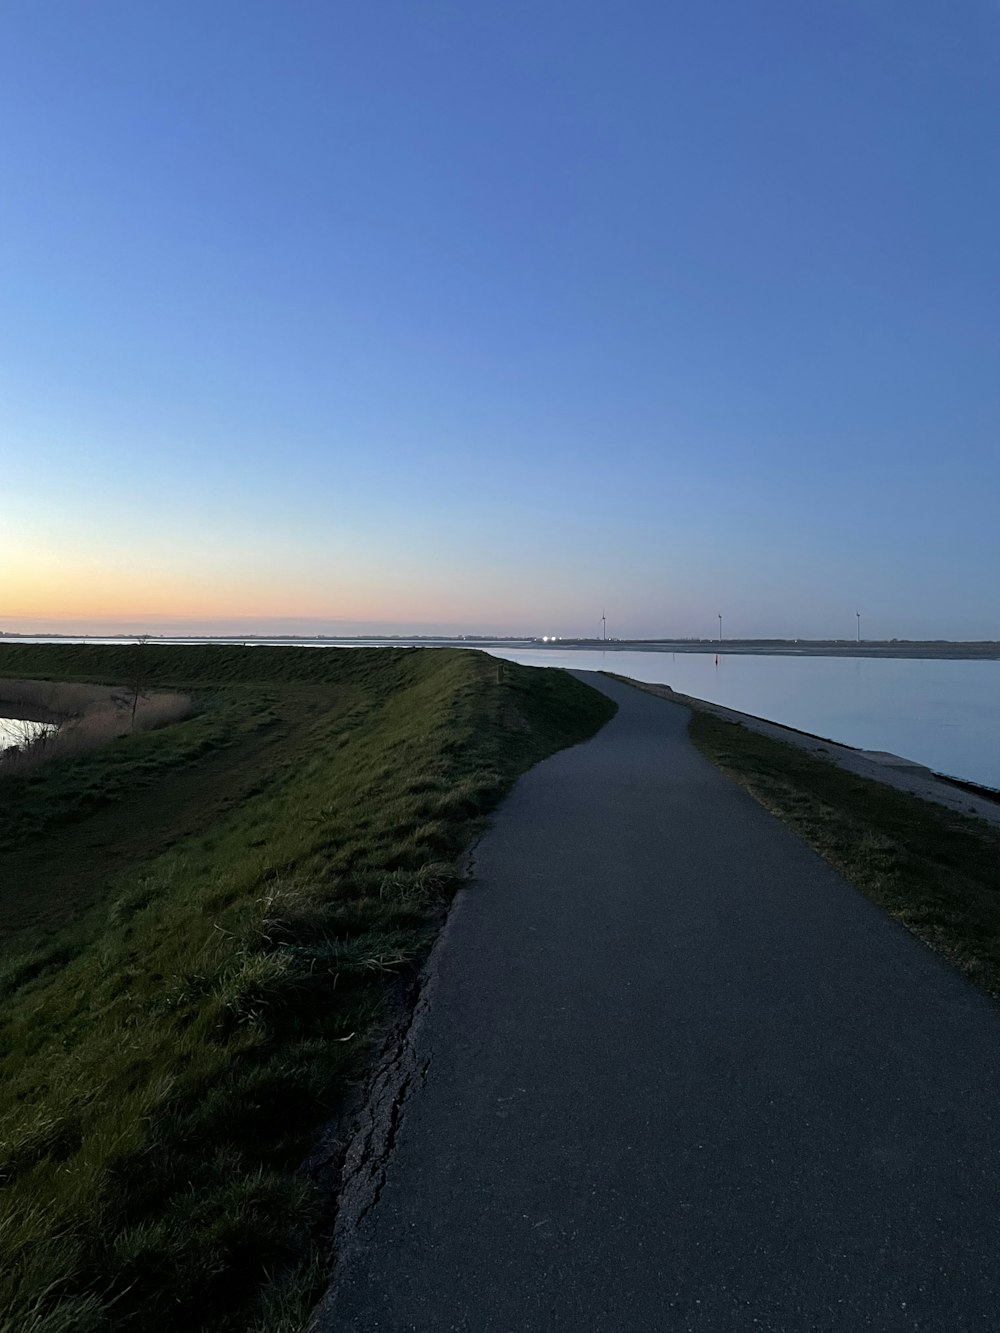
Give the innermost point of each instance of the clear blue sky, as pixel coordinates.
(486, 316)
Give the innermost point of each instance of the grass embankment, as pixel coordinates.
(935, 871)
(204, 924)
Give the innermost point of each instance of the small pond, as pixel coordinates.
(14, 731)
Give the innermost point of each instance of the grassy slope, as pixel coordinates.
(170, 1052)
(935, 871)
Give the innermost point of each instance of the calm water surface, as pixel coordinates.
(942, 714)
(12, 731)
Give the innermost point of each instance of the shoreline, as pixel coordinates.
(902, 649)
(966, 798)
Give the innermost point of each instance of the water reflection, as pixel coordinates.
(13, 731)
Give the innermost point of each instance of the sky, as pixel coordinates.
(422, 317)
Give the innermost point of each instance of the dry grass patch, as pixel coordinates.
(86, 717)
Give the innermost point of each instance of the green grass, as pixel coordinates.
(935, 871)
(200, 982)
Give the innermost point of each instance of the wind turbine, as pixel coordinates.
(604, 627)
(720, 626)
(858, 614)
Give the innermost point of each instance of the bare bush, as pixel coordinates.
(160, 709)
(25, 733)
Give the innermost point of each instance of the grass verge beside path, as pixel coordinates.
(935, 871)
(237, 896)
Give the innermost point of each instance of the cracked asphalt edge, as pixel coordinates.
(399, 1072)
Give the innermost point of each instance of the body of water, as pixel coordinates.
(945, 714)
(942, 713)
(12, 730)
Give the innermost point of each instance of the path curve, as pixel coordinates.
(671, 1072)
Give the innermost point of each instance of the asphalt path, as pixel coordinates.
(671, 1072)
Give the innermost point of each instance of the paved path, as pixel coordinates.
(672, 1073)
(906, 776)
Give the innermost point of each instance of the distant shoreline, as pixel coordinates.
(904, 648)
(930, 650)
